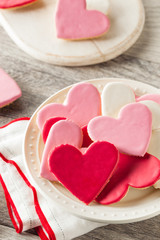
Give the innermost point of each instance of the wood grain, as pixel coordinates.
(147, 47)
(39, 80)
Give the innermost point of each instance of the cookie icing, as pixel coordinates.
(9, 90)
(14, 3)
(137, 172)
(74, 21)
(62, 132)
(83, 102)
(84, 175)
(130, 133)
(116, 95)
(155, 110)
(152, 97)
(47, 126)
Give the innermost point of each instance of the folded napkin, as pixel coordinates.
(26, 206)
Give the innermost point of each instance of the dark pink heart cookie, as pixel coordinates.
(137, 172)
(84, 175)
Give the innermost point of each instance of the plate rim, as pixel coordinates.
(130, 214)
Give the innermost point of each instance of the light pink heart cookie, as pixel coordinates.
(130, 133)
(151, 97)
(83, 103)
(62, 132)
(74, 21)
(9, 90)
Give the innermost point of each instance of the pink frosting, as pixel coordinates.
(73, 21)
(62, 132)
(137, 172)
(14, 3)
(84, 175)
(9, 90)
(83, 103)
(130, 133)
(152, 97)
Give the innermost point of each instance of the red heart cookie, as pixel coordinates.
(137, 172)
(74, 22)
(83, 103)
(84, 175)
(130, 133)
(14, 3)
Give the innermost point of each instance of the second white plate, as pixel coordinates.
(33, 30)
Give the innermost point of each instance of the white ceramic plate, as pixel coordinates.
(137, 205)
(33, 30)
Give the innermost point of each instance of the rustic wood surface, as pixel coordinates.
(39, 80)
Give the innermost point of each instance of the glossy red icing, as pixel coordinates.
(137, 172)
(84, 175)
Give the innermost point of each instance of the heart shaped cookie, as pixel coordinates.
(116, 95)
(14, 3)
(62, 132)
(9, 90)
(84, 175)
(130, 133)
(83, 103)
(137, 172)
(74, 21)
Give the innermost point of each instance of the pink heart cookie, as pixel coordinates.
(151, 97)
(83, 103)
(14, 3)
(74, 22)
(137, 172)
(84, 175)
(130, 133)
(62, 132)
(9, 90)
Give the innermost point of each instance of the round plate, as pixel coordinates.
(137, 205)
(33, 30)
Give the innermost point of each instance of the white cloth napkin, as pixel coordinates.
(27, 207)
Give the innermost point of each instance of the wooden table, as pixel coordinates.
(39, 80)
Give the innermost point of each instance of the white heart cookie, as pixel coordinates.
(115, 96)
(99, 5)
(155, 110)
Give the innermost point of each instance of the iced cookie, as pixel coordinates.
(99, 5)
(116, 95)
(62, 132)
(130, 133)
(152, 97)
(75, 22)
(83, 103)
(155, 110)
(137, 172)
(84, 175)
(9, 90)
(14, 3)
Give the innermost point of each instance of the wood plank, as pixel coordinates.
(10, 234)
(148, 46)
